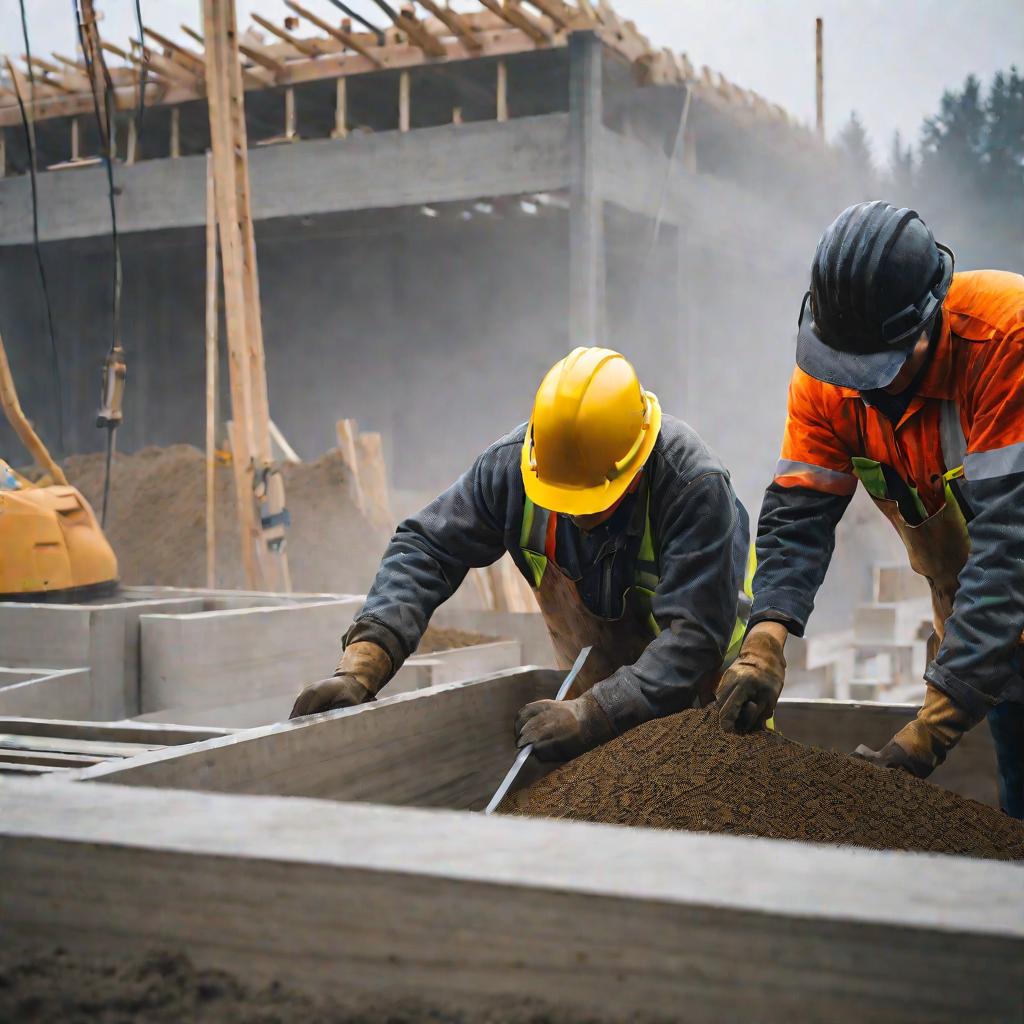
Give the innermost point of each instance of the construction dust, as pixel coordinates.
(165, 987)
(157, 520)
(683, 772)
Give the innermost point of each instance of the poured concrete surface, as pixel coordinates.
(456, 908)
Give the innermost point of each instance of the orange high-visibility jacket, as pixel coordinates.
(978, 364)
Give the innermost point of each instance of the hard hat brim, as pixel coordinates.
(862, 371)
(588, 501)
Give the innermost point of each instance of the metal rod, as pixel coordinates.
(523, 755)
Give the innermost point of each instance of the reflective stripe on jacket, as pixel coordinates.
(832, 437)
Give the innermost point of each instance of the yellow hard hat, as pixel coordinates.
(593, 427)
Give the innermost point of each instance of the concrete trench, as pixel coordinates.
(356, 830)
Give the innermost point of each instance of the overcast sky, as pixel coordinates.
(887, 59)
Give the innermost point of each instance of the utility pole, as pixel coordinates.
(259, 488)
(819, 76)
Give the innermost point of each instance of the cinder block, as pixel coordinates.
(896, 581)
(898, 622)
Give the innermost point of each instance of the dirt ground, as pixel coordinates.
(683, 772)
(157, 520)
(165, 987)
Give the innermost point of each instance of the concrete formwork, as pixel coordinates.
(462, 910)
(450, 746)
(37, 692)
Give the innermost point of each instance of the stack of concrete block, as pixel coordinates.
(819, 665)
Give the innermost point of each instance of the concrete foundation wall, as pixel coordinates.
(66, 692)
(448, 746)
(463, 910)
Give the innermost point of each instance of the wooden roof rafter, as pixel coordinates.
(286, 57)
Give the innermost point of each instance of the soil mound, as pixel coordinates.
(683, 772)
(156, 521)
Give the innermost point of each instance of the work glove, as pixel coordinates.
(364, 668)
(563, 729)
(750, 686)
(922, 745)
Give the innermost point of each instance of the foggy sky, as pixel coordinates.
(888, 59)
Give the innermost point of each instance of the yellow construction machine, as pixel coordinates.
(51, 546)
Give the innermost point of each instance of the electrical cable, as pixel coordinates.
(30, 147)
(106, 128)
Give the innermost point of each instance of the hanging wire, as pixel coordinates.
(105, 127)
(30, 147)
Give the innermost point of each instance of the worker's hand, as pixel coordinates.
(344, 691)
(922, 745)
(364, 668)
(751, 685)
(562, 730)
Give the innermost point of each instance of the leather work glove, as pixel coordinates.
(922, 745)
(751, 685)
(364, 668)
(562, 730)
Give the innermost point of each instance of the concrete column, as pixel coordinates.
(586, 214)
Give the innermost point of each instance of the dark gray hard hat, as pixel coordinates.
(877, 281)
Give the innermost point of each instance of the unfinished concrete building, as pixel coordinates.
(457, 209)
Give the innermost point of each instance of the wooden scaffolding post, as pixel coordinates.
(266, 565)
(212, 315)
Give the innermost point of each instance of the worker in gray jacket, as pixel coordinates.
(627, 528)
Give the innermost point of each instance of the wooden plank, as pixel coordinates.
(212, 324)
(501, 105)
(518, 18)
(340, 109)
(192, 60)
(343, 37)
(309, 49)
(459, 25)
(347, 431)
(282, 443)
(251, 442)
(403, 102)
(258, 56)
(373, 478)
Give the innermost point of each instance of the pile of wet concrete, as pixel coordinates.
(683, 772)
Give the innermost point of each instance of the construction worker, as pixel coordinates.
(623, 522)
(908, 379)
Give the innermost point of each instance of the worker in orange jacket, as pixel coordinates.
(909, 379)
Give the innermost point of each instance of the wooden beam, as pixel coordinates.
(262, 544)
(458, 25)
(192, 60)
(403, 101)
(212, 323)
(517, 18)
(559, 14)
(340, 109)
(299, 44)
(174, 146)
(501, 107)
(348, 431)
(257, 56)
(343, 37)
(420, 36)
